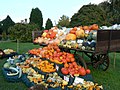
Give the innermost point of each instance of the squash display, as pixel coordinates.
(54, 68)
(86, 34)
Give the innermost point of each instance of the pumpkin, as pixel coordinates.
(82, 71)
(70, 36)
(85, 27)
(87, 71)
(80, 33)
(80, 27)
(74, 63)
(48, 35)
(52, 35)
(75, 29)
(66, 65)
(94, 27)
(72, 31)
(64, 71)
(72, 59)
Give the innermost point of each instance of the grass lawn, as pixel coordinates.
(110, 79)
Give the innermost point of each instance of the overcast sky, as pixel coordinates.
(20, 9)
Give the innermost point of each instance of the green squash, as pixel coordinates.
(6, 65)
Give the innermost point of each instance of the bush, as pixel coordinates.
(23, 32)
(4, 36)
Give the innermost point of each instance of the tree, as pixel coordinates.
(87, 15)
(5, 24)
(115, 11)
(63, 21)
(1, 26)
(4, 36)
(22, 32)
(49, 24)
(106, 7)
(112, 9)
(36, 17)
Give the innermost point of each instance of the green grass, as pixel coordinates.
(23, 48)
(110, 79)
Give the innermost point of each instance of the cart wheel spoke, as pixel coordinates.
(102, 62)
(81, 61)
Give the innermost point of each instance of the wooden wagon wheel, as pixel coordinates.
(102, 61)
(80, 61)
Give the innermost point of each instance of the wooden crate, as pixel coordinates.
(102, 44)
(114, 41)
(36, 34)
(108, 41)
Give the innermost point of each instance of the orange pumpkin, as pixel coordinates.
(85, 27)
(66, 65)
(72, 59)
(70, 36)
(72, 31)
(94, 27)
(75, 29)
(80, 33)
(52, 35)
(80, 27)
(48, 35)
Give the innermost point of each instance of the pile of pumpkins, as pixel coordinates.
(82, 37)
(49, 36)
(67, 60)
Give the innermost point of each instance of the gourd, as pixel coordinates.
(12, 74)
(64, 83)
(70, 36)
(20, 72)
(80, 33)
(17, 61)
(85, 43)
(94, 35)
(93, 44)
(7, 65)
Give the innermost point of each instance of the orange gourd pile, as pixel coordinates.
(79, 32)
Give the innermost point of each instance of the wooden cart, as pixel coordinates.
(107, 41)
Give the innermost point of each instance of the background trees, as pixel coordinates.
(87, 15)
(115, 11)
(36, 17)
(48, 24)
(112, 9)
(63, 21)
(5, 24)
(105, 13)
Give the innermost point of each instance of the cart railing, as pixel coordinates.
(108, 41)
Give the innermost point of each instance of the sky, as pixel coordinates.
(20, 9)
